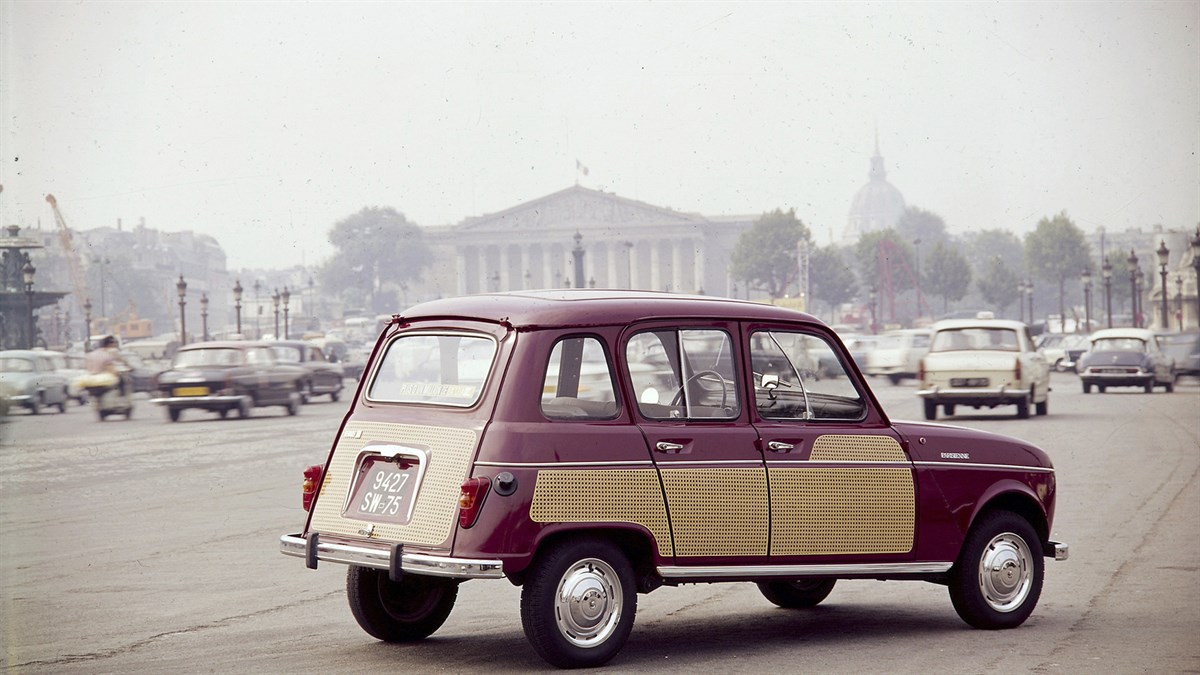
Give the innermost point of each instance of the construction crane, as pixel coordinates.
(68, 243)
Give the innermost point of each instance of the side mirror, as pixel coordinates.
(770, 383)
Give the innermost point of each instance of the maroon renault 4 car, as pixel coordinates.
(594, 445)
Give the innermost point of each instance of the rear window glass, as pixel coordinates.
(578, 382)
(435, 369)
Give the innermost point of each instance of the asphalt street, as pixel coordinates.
(150, 547)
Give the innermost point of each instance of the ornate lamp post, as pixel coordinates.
(286, 295)
(1106, 272)
(27, 273)
(1021, 299)
(237, 303)
(1132, 263)
(204, 317)
(181, 289)
(874, 296)
(275, 299)
(577, 252)
(1179, 300)
(917, 250)
(257, 311)
(1087, 298)
(528, 280)
(1029, 292)
(1196, 266)
(87, 323)
(1164, 255)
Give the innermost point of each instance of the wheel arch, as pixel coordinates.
(1019, 500)
(636, 543)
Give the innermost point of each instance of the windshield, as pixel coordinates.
(1124, 344)
(200, 358)
(987, 339)
(436, 369)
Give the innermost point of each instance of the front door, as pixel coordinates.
(691, 410)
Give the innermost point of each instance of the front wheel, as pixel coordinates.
(409, 610)
(577, 606)
(797, 594)
(1043, 408)
(173, 414)
(1023, 409)
(930, 409)
(997, 579)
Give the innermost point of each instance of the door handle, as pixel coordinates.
(668, 446)
(780, 446)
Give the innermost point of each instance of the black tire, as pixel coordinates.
(101, 414)
(799, 594)
(1169, 386)
(997, 579)
(407, 611)
(335, 395)
(35, 405)
(1087, 388)
(292, 407)
(1100, 388)
(1043, 408)
(1149, 386)
(173, 414)
(306, 393)
(949, 409)
(895, 379)
(62, 406)
(243, 409)
(593, 618)
(1023, 409)
(930, 409)
(223, 413)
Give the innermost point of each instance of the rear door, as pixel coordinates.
(691, 409)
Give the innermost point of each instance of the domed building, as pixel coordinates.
(877, 205)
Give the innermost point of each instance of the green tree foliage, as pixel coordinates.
(947, 274)
(765, 255)
(918, 224)
(1057, 251)
(830, 279)
(998, 285)
(882, 253)
(377, 250)
(983, 247)
(1119, 285)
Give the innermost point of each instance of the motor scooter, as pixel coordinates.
(108, 399)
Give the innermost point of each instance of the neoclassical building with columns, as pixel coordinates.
(625, 243)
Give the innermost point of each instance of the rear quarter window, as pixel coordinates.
(579, 382)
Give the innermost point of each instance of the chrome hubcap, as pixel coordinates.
(588, 603)
(1005, 572)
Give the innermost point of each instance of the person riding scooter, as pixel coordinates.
(107, 360)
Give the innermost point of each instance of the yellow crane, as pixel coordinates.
(68, 243)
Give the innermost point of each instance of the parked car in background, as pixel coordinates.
(1062, 349)
(142, 374)
(1126, 357)
(323, 377)
(983, 363)
(222, 377)
(898, 354)
(1185, 349)
(859, 346)
(29, 380)
(71, 367)
(352, 360)
(592, 445)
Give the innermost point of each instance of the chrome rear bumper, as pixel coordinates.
(1057, 550)
(312, 549)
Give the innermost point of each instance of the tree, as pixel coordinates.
(375, 247)
(984, 246)
(1056, 251)
(998, 285)
(830, 278)
(925, 226)
(947, 274)
(765, 255)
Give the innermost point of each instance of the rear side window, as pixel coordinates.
(578, 382)
(435, 369)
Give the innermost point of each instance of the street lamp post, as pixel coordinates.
(237, 303)
(275, 299)
(1021, 300)
(1132, 263)
(1196, 266)
(874, 297)
(257, 311)
(312, 299)
(27, 272)
(87, 323)
(1087, 299)
(181, 289)
(1029, 292)
(204, 317)
(286, 295)
(1164, 255)
(917, 249)
(1106, 272)
(1179, 300)
(577, 252)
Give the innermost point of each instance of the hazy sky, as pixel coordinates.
(265, 123)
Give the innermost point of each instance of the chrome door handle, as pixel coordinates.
(780, 446)
(667, 446)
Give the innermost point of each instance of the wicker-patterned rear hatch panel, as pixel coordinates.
(603, 496)
(842, 510)
(436, 510)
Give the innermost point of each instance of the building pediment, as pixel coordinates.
(577, 208)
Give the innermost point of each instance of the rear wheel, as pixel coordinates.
(405, 611)
(1100, 388)
(1169, 386)
(948, 408)
(1023, 409)
(1043, 408)
(243, 408)
(1087, 387)
(173, 414)
(35, 404)
(293, 406)
(930, 409)
(62, 405)
(799, 594)
(578, 604)
(997, 579)
(335, 395)
(896, 379)
(1149, 386)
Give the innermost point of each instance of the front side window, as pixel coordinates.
(286, 354)
(578, 382)
(798, 376)
(684, 373)
(435, 369)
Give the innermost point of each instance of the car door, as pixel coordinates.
(841, 483)
(327, 376)
(276, 382)
(690, 409)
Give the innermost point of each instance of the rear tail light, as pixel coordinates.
(471, 500)
(1017, 373)
(921, 372)
(312, 485)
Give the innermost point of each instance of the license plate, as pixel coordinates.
(969, 382)
(384, 490)
(191, 391)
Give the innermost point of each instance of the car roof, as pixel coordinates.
(1139, 333)
(952, 324)
(596, 307)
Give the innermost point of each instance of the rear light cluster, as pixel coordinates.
(471, 500)
(312, 485)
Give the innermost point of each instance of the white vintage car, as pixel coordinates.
(983, 363)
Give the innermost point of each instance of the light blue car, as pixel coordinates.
(28, 378)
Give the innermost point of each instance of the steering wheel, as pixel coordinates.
(710, 374)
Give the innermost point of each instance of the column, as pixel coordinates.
(677, 267)
(526, 284)
(656, 281)
(698, 265)
(460, 263)
(485, 284)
